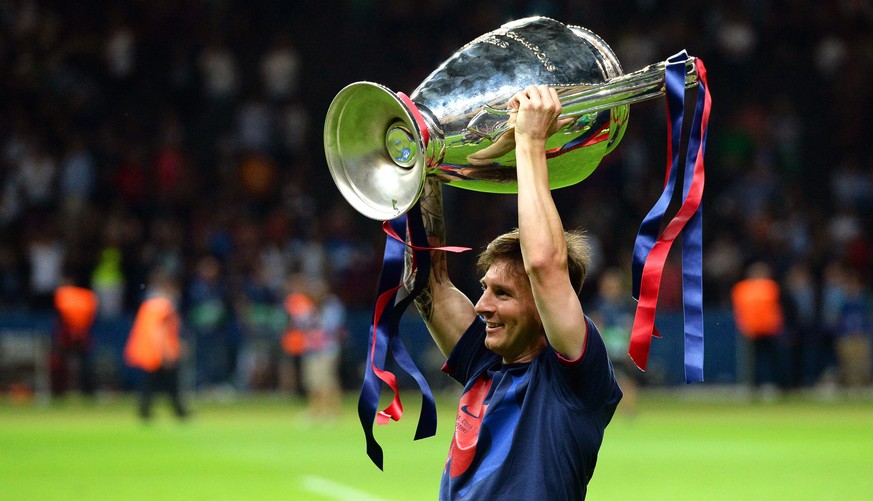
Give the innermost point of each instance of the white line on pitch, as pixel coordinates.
(336, 490)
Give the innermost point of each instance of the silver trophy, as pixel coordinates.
(381, 145)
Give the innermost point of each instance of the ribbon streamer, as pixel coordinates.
(651, 249)
(416, 114)
(387, 314)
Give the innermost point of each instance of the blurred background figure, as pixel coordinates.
(108, 282)
(209, 315)
(76, 308)
(293, 343)
(317, 321)
(46, 254)
(759, 317)
(262, 321)
(155, 346)
(612, 310)
(801, 324)
(854, 330)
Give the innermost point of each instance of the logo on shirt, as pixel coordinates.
(466, 410)
(469, 419)
(483, 440)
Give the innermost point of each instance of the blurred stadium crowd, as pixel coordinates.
(186, 136)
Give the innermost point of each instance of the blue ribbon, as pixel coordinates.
(692, 251)
(387, 332)
(651, 225)
(692, 233)
(418, 236)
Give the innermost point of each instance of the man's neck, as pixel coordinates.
(528, 355)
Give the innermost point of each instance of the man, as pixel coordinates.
(757, 306)
(539, 388)
(317, 317)
(76, 310)
(154, 345)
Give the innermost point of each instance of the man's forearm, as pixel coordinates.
(446, 311)
(434, 226)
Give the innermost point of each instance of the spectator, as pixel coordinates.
(801, 322)
(46, 252)
(854, 334)
(280, 69)
(612, 310)
(317, 319)
(262, 320)
(109, 282)
(209, 317)
(78, 181)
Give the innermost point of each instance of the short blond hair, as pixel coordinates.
(507, 248)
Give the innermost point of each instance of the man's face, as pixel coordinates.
(513, 328)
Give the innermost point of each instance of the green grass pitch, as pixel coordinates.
(675, 448)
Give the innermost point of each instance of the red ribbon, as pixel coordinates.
(416, 114)
(386, 227)
(644, 320)
(394, 410)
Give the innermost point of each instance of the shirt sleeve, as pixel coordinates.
(470, 356)
(588, 382)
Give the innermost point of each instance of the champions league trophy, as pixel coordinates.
(380, 145)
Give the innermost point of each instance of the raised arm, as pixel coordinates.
(541, 231)
(446, 311)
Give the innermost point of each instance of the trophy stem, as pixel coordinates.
(578, 100)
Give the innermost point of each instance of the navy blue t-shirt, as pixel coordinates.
(531, 430)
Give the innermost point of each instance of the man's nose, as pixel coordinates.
(483, 306)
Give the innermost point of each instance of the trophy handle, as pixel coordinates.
(578, 100)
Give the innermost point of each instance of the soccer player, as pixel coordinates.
(539, 388)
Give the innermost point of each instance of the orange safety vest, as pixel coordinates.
(77, 308)
(757, 310)
(298, 305)
(154, 338)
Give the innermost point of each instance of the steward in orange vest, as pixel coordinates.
(154, 345)
(154, 338)
(757, 307)
(76, 309)
(758, 314)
